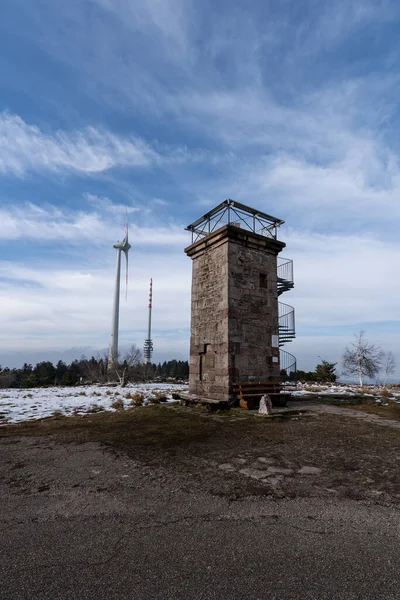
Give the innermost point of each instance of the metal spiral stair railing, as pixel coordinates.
(284, 275)
(286, 323)
(288, 366)
(286, 320)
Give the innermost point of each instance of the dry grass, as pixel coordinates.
(158, 397)
(137, 399)
(95, 408)
(357, 459)
(57, 413)
(154, 400)
(391, 411)
(117, 404)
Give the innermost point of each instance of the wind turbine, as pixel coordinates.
(120, 247)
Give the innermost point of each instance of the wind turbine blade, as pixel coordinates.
(126, 224)
(126, 276)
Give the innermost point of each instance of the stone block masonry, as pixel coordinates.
(234, 320)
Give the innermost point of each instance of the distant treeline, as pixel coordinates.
(93, 370)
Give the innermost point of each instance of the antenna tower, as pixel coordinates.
(148, 344)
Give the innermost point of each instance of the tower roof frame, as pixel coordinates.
(231, 212)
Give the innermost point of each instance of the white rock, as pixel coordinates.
(265, 405)
(226, 467)
(309, 470)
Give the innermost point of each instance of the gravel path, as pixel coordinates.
(81, 521)
(338, 410)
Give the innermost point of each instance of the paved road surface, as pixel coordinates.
(81, 522)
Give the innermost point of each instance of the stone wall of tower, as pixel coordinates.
(253, 308)
(208, 374)
(234, 321)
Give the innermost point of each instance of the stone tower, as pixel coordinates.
(234, 320)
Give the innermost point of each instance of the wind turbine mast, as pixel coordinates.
(148, 344)
(120, 247)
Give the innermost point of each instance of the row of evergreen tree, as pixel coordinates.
(93, 370)
(325, 372)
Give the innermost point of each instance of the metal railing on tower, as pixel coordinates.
(288, 366)
(286, 320)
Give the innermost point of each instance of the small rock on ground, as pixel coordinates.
(309, 470)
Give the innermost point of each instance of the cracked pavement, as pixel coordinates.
(81, 521)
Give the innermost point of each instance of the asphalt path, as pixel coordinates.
(78, 521)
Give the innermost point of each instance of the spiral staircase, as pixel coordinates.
(286, 319)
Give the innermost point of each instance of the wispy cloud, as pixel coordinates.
(49, 223)
(168, 19)
(25, 147)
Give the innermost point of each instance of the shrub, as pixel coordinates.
(118, 404)
(129, 396)
(154, 400)
(56, 414)
(385, 394)
(175, 396)
(137, 399)
(161, 396)
(95, 408)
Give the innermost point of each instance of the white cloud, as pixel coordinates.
(165, 18)
(106, 205)
(25, 147)
(342, 279)
(32, 222)
(56, 307)
(89, 151)
(342, 18)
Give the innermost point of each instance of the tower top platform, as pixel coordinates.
(235, 213)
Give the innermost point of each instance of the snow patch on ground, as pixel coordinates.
(29, 404)
(310, 389)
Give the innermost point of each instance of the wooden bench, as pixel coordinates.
(250, 393)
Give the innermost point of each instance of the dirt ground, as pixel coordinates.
(173, 503)
(233, 454)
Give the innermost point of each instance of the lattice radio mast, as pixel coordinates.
(148, 344)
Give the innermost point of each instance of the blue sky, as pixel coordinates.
(168, 107)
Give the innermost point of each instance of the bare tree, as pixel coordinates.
(123, 366)
(389, 366)
(362, 359)
(95, 368)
